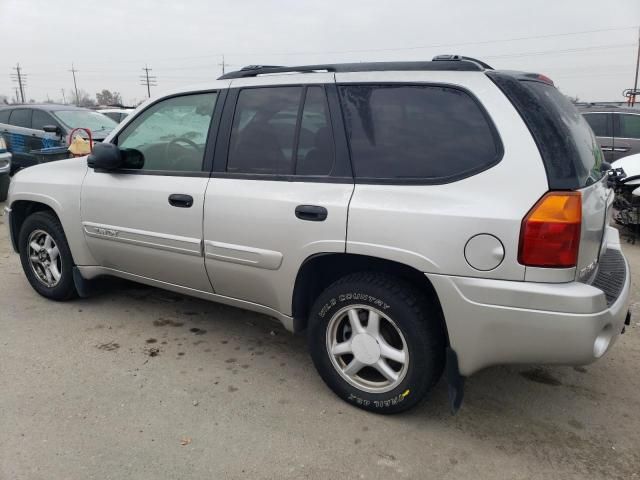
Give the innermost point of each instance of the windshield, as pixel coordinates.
(94, 121)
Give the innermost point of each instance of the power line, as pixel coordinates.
(21, 79)
(223, 64)
(148, 80)
(75, 85)
(392, 49)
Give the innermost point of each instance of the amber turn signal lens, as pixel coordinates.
(550, 233)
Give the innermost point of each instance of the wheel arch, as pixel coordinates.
(20, 211)
(319, 271)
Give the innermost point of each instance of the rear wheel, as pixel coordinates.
(377, 342)
(45, 256)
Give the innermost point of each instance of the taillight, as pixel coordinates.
(550, 233)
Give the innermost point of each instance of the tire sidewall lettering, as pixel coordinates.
(350, 298)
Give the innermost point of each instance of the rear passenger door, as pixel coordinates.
(280, 189)
(627, 134)
(602, 125)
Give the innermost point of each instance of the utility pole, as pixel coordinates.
(64, 98)
(75, 85)
(223, 65)
(20, 78)
(148, 80)
(632, 98)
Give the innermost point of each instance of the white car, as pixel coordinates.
(631, 166)
(117, 114)
(403, 215)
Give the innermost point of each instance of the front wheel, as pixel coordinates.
(377, 342)
(45, 256)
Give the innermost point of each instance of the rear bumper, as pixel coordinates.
(492, 322)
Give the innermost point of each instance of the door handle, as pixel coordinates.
(312, 213)
(180, 200)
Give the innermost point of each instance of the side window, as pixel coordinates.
(629, 126)
(172, 134)
(4, 116)
(263, 131)
(40, 119)
(600, 123)
(21, 117)
(431, 133)
(316, 153)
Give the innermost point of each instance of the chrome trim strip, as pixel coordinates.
(143, 238)
(254, 257)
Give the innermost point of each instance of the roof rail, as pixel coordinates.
(460, 58)
(440, 62)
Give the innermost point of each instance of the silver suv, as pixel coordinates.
(407, 216)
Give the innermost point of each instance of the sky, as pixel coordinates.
(587, 47)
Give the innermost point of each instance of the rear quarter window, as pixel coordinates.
(570, 152)
(4, 116)
(417, 133)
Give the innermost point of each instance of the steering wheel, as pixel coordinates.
(175, 161)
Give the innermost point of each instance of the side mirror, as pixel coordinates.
(605, 166)
(51, 129)
(105, 156)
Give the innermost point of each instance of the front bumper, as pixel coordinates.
(5, 163)
(493, 322)
(8, 223)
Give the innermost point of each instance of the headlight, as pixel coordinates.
(3, 145)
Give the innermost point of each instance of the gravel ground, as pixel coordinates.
(139, 383)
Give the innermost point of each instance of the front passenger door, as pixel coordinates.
(146, 219)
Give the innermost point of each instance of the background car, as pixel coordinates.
(617, 129)
(30, 129)
(5, 168)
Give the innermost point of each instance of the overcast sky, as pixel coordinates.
(587, 47)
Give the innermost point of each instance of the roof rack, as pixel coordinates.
(440, 62)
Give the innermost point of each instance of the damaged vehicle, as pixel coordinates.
(411, 218)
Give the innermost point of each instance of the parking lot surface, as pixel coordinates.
(139, 383)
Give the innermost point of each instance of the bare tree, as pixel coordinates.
(106, 97)
(84, 99)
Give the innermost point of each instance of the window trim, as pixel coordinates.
(616, 125)
(426, 180)
(207, 159)
(341, 172)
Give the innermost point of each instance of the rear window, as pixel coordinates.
(426, 133)
(570, 152)
(21, 118)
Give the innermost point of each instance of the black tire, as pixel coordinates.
(4, 186)
(414, 315)
(49, 223)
